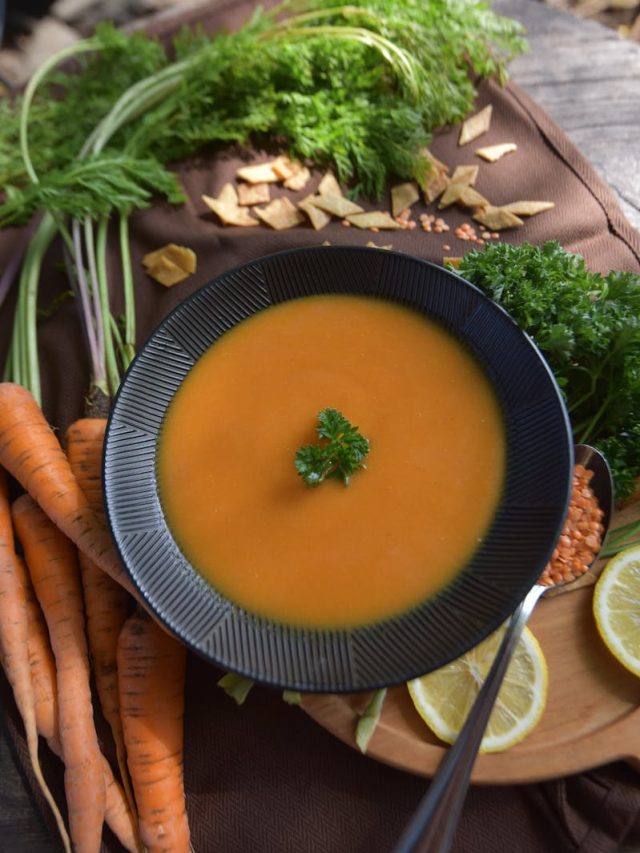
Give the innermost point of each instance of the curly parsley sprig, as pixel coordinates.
(339, 453)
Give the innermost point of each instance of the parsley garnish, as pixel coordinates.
(338, 454)
(587, 326)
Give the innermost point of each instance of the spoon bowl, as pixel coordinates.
(433, 825)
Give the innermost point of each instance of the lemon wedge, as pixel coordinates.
(616, 607)
(443, 698)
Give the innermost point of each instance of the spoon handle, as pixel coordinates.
(434, 823)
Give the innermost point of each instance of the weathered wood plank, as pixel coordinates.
(587, 78)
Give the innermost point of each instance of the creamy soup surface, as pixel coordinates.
(335, 555)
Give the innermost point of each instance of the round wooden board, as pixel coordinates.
(592, 715)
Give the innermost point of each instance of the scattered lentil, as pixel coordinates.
(581, 536)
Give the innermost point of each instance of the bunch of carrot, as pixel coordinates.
(69, 615)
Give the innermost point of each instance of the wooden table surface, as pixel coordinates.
(587, 79)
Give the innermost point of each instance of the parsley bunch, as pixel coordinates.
(588, 328)
(339, 453)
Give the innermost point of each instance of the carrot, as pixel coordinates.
(30, 451)
(106, 602)
(14, 645)
(43, 675)
(52, 565)
(151, 677)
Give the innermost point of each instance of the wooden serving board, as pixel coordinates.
(592, 715)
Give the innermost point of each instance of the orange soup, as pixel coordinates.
(332, 556)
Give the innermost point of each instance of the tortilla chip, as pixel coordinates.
(374, 219)
(497, 218)
(261, 173)
(336, 205)
(475, 125)
(465, 175)
(229, 212)
(298, 180)
(170, 264)
(228, 194)
(280, 214)
(403, 196)
(249, 194)
(329, 185)
(494, 152)
(371, 245)
(527, 208)
(317, 217)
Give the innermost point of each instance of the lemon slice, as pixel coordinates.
(616, 607)
(443, 698)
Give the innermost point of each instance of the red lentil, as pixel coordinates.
(581, 536)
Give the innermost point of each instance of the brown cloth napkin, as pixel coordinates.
(264, 777)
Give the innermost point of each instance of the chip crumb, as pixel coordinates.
(493, 153)
(475, 125)
(280, 214)
(170, 264)
(452, 262)
(371, 245)
(249, 194)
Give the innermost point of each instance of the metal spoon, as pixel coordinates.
(434, 823)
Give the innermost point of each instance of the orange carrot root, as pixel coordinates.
(151, 676)
(14, 651)
(117, 814)
(51, 562)
(107, 604)
(30, 451)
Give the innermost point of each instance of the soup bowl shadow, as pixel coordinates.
(518, 544)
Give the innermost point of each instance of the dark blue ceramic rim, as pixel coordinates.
(517, 547)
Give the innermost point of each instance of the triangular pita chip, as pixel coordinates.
(437, 165)
(528, 208)
(317, 217)
(230, 213)
(261, 173)
(280, 214)
(497, 218)
(336, 205)
(492, 153)
(465, 174)
(374, 219)
(403, 196)
(170, 264)
(475, 125)
(249, 194)
(298, 180)
(329, 185)
(435, 184)
(284, 167)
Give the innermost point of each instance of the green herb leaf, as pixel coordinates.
(369, 719)
(588, 328)
(339, 453)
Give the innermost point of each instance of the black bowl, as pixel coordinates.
(509, 560)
